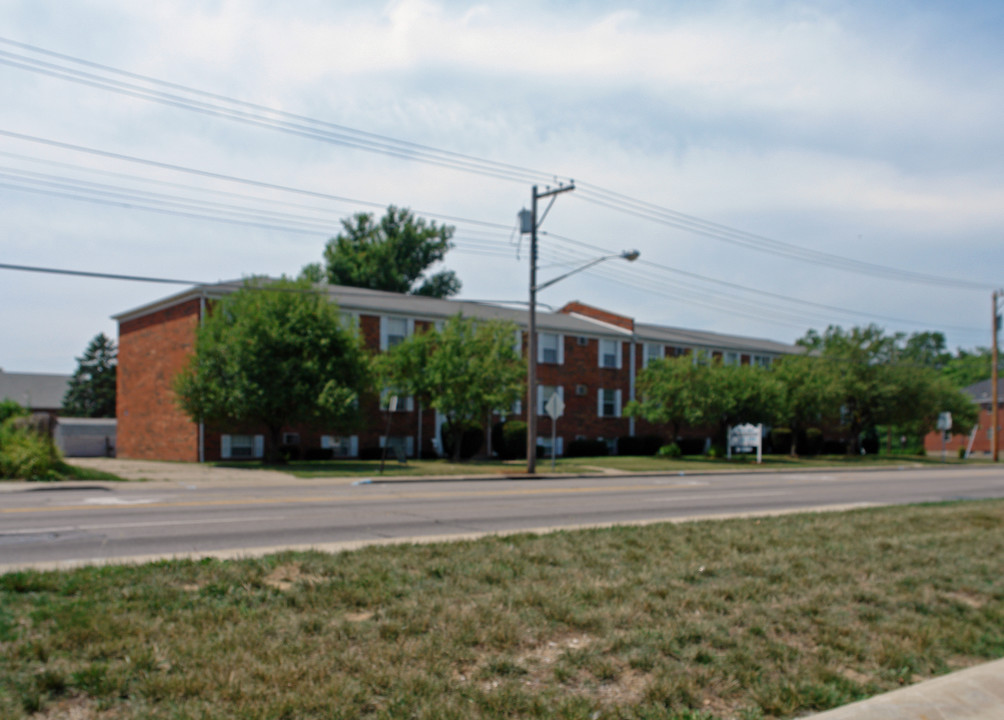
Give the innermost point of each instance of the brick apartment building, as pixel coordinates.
(978, 440)
(589, 356)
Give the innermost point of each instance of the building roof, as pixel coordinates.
(982, 392)
(35, 391)
(379, 302)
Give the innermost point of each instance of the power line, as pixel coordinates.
(269, 118)
(104, 193)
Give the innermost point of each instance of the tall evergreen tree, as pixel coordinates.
(92, 388)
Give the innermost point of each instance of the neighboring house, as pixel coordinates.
(589, 356)
(978, 439)
(38, 392)
(85, 437)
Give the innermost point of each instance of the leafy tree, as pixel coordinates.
(274, 355)
(466, 370)
(92, 388)
(971, 366)
(678, 391)
(810, 394)
(926, 349)
(673, 391)
(392, 254)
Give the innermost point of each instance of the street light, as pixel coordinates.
(531, 350)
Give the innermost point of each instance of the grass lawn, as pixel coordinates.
(624, 463)
(747, 618)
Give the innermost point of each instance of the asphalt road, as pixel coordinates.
(55, 526)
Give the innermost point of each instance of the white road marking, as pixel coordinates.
(119, 501)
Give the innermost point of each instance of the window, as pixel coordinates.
(242, 446)
(545, 442)
(582, 341)
(653, 351)
(544, 393)
(762, 360)
(398, 444)
(393, 331)
(609, 403)
(610, 353)
(341, 446)
(730, 358)
(405, 403)
(550, 348)
(291, 438)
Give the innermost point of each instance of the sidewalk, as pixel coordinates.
(976, 693)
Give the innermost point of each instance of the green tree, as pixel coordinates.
(467, 370)
(810, 394)
(971, 366)
(91, 392)
(274, 354)
(674, 392)
(392, 254)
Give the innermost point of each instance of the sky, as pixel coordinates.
(780, 166)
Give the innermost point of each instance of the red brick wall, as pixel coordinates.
(598, 314)
(982, 443)
(152, 349)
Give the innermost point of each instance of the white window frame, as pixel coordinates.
(385, 334)
(227, 446)
(544, 441)
(340, 445)
(601, 396)
(542, 399)
(648, 356)
(409, 444)
(559, 349)
(405, 403)
(730, 357)
(291, 438)
(603, 345)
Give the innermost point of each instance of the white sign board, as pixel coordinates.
(555, 406)
(746, 438)
(945, 421)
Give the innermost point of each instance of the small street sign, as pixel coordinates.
(555, 406)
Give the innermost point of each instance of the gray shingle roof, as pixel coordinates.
(34, 390)
(379, 302)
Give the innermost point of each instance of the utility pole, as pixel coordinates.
(531, 340)
(994, 421)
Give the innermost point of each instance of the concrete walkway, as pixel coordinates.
(976, 693)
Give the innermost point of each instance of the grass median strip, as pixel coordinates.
(746, 618)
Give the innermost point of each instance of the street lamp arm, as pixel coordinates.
(630, 256)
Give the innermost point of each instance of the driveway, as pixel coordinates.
(155, 471)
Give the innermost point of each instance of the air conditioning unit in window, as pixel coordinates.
(581, 390)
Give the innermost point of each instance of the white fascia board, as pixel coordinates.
(609, 326)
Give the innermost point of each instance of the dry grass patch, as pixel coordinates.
(737, 620)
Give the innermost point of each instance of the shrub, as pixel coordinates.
(670, 451)
(691, 445)
(962, 453)
(834, 447)
(513, 445)
(9, 409)
(290, 452)
(780, 440)
(373, 452)
(26, 455)
(639, 445)
(316, 453)
(812, 443)
(471, 440)
(587, 448)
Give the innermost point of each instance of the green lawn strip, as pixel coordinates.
(566, 465)
(746, 618)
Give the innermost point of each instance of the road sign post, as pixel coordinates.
(555, 408)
